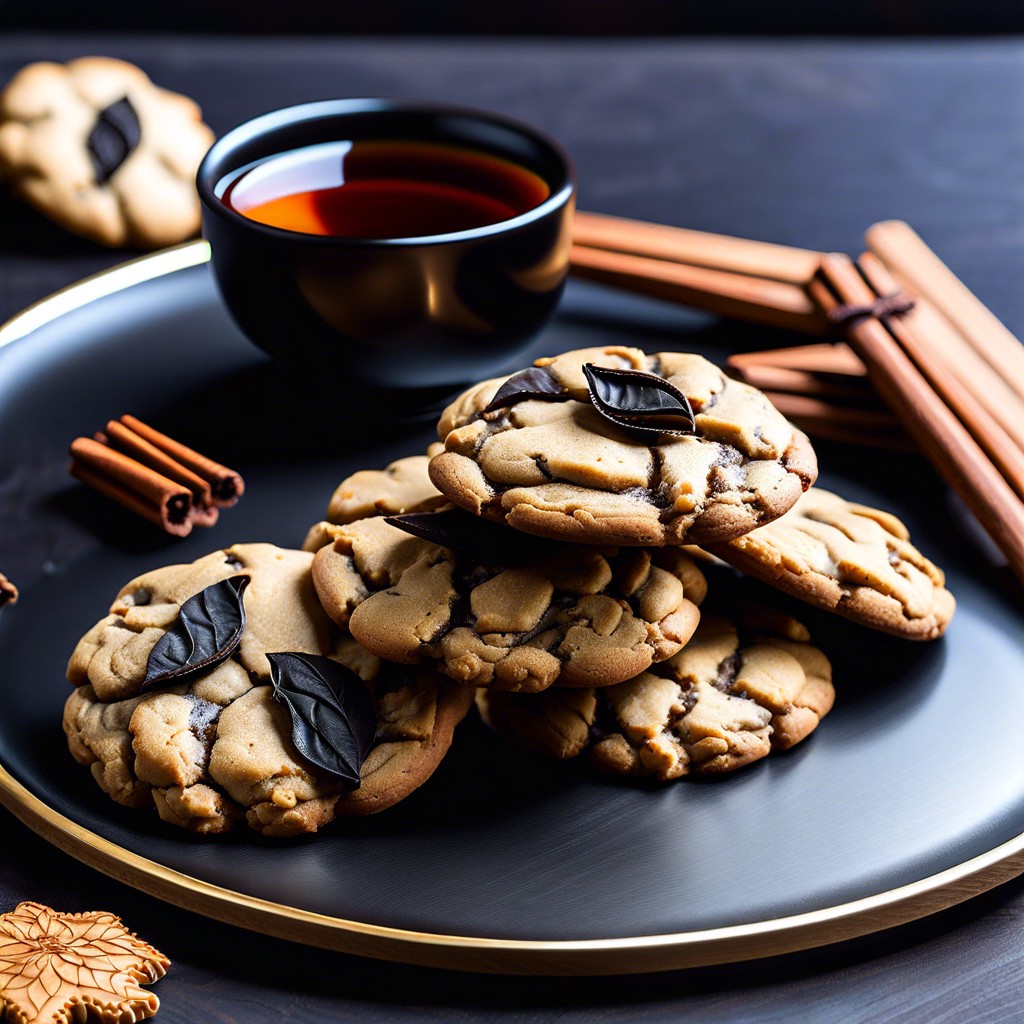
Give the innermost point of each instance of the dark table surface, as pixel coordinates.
(801, 143)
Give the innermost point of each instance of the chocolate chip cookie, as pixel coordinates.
(188, 698)
(281, 608)
(577, 616)
(219, 750)
(849, 559)
(728, 698)
(97, 147)
(611, 445)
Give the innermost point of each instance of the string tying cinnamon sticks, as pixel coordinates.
(154, 476)
(935, 427)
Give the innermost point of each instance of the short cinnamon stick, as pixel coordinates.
(855, 390)
(763, 301)
(126, 441)
(226, 486)
(8, 591)
(142, 490)
(943, 439)
(873, 427)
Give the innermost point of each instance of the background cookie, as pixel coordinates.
(403, 486)
(97, 147)
(580, 616)
(849, 559)
(558, 468)
(725, 700)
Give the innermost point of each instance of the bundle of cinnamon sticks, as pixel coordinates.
(151, 474)
(940, 365)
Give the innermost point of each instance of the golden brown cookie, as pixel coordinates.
(281, 608)
(403, 486)
(60, 968)
(548, 462)
(576, 616)
(849, 559)
(97, 147)
(213, 752)
(727, 699)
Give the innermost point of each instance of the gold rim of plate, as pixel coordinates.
(634, 954)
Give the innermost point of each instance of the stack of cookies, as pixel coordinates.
(544, 561)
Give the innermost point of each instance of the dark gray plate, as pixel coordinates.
(916, 772)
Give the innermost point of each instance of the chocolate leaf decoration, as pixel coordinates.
(208, 631)
(643, 402)
(113, 137)
(533, 382)
(485, 542)
(334, 721)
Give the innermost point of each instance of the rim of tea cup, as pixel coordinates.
(216, 166)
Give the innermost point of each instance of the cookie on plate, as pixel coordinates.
(644, 450)
(219, 750)
(182, 701)
(849, 559)
(727, 699)
(515, 612)
(97, 147)
(282, 613)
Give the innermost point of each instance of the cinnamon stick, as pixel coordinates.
(818, 418)
(140, 489)
(763, 301)
(126, 441)
(825, 357)
(914, 264)
(854, 390)
(226, 486)
(695, 248)
(984, 428)
(8, 591)
(943, 439)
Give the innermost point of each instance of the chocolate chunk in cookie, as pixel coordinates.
(576, 617)
(96, 146)
(617, 463)
(727, 699)
(849, 559)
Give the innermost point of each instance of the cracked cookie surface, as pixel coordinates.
(218, 750)
(281, 607)
(581, 617)
(727, 699)
(559, 469)
(850, 559)
(48, 116)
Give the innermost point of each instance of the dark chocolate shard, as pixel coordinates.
(483, 541)
(638, 401)
(114, 136)
(8, 591)
(533, 382)
(334, 721)
(208, 631)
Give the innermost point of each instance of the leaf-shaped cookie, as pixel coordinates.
(639, 401)
(208, 631)
(334, 721)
